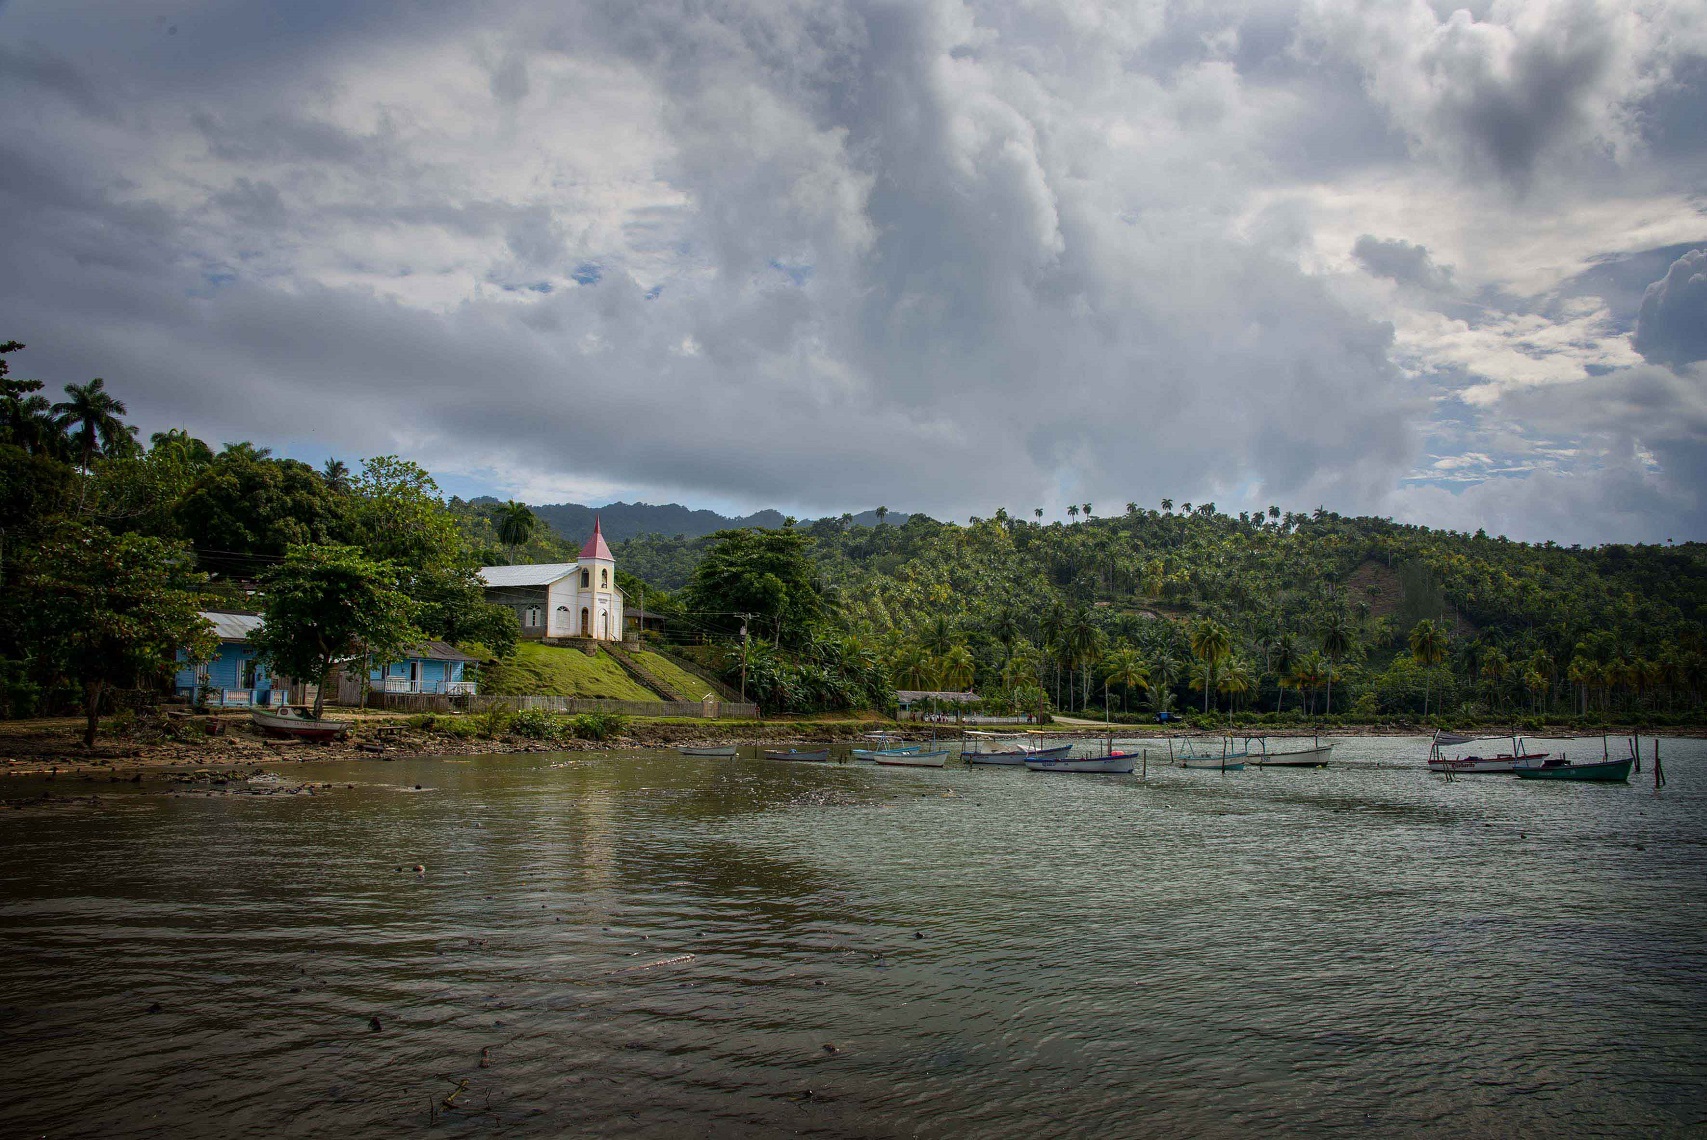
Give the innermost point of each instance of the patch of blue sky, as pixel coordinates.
(799, 274)
(587, 273)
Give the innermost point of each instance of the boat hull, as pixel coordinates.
(1303, 758)
(1485, 765)
(999, 759)
(879, 753)
(913, 759)
(817, 755)
(1228, 765)
(725, 752)
(301, 728)
(1605, 772)
(1119, 765)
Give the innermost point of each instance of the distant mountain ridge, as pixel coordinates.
(573, 522)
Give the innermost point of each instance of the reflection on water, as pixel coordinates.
(650, 944)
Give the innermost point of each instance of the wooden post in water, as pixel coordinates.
(1659, 772)
(1144, 755)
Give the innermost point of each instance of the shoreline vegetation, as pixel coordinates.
(52, 746)
(1247, 621)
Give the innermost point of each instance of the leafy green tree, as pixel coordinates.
(1124, 668)
(326, 605)
(104, 611)
(337, 475)
(766, 573)
(957, 668)
(246, 509)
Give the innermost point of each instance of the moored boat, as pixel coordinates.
(1117, 763)
(1600, 771)
(1229, 759)
(1012, 757)
(292, 723)
(1501, 763)
(725, 750)
(876, 753)
(913, 758)
(1316, 755)
(798, 754)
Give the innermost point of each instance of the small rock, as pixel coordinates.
(830, 1048)
(917, 934)
(156, 1008)
(374, 1025)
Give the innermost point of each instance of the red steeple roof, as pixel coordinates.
(596, 547)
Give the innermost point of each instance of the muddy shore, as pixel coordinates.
(55, 746)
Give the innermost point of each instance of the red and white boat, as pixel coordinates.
(1476, 765)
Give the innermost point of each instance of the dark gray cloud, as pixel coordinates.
(799, 254)
(1672, 325)
(1402, 261)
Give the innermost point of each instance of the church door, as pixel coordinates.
(586, 623)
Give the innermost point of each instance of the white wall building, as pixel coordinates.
(563, 599)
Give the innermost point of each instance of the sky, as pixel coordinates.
(1447, 264)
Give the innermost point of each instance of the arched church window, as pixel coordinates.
(586, 578)
(604, 579)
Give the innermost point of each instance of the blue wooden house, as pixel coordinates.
(234, 678)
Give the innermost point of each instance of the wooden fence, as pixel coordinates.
(438, 702)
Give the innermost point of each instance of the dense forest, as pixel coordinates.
(110, 544)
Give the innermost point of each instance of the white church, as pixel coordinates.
(563, 599)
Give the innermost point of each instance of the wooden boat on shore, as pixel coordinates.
(1117, 763)
(1556, 768)
(812, 754)
(298, 724)
(913, 758)
(725, 751)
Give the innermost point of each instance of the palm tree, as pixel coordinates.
(913, 668)
(1087, 509)
(1235, 679)
(1082, 643)
(957, 668)
(1493, 671)
(1168, 506)
(939, 637)
(515, 524)
(1126, 669)
(337, 475)
(1210, 643)
(1038, 511)
(1283, 658)
(1336, 636)
(1428, 648)
(90, 416)
(882, 513)
(1073, 511)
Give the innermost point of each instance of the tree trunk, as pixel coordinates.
(320, 692)
(92, 691)
(1329, 708)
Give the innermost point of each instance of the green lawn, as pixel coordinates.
(551, 671)
(689, 686)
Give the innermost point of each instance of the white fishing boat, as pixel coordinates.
(1191, 754)
(297, 723)
(913, 758)
(724, 751)
(817, 755)
(1500, 763)
(1118, 763)
(1018, 748)
(1314, 755)
(875, 753)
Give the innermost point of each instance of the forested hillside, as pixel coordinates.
(1374, 616)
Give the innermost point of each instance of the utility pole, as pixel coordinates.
(744, 618)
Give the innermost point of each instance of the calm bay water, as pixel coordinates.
(1368, 949)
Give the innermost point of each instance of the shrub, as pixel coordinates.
(597, 726)
(537, 724)
(426, 722)
(492, 722)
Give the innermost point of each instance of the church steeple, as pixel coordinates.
(596, 547)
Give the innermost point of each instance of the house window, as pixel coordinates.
(586, 578)
(532, 621)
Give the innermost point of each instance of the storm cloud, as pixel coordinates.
(1671, 327)
(944, 256)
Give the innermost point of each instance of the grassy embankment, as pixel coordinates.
(550, 670)
(691, 688)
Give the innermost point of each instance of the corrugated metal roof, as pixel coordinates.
(543, 574)
(440, 651)
(232, 627)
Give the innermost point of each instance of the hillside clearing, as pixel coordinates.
(552, 671)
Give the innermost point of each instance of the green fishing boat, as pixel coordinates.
(1601, 771)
